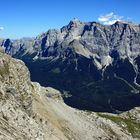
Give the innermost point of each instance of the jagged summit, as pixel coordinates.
(75, 21)
(125, 22)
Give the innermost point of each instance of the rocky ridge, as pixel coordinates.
(91, 40)
(97, 66)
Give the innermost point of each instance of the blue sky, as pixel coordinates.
(28, 18)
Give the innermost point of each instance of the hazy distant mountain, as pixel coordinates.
(97, 67)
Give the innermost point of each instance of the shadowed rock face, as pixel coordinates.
(95, 66)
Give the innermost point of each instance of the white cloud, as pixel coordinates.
(109, 18)
(1, 28)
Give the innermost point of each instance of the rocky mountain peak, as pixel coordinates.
(97, 39)
(75, 21)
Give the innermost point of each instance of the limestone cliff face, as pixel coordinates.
(90, 39)
(31, 112)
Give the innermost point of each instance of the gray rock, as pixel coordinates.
(99, 40)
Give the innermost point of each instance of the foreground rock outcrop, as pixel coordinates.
(31, 112)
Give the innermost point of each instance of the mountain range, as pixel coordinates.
(95, 67)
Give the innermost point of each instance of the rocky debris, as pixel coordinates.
(29, 111)
(133, 114)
